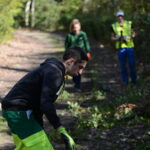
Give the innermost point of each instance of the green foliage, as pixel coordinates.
(142, 22)
(123, 114)
(2, 122)
(8, 10)
(19, 18)
(47, 13)
(106, 115)
(75, 109)
(98, 95)
(99, 118)
(69, 10)
(133, 95)
(137, 120)
(65, 95)
(93, 117)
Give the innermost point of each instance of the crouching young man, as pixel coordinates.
(34, 95)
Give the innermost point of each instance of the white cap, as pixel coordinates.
(120, 13)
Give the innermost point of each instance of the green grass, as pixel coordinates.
(2, 123)
(101, 114)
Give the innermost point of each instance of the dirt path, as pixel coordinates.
(26, 51)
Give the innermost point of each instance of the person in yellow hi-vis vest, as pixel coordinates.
(123, 34)
(34, 95)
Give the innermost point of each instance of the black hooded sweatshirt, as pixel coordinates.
(37, 91)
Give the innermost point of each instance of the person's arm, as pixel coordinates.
(113, 35)
(86, 43)
(133, 33)
(51, 82)
(67, 42)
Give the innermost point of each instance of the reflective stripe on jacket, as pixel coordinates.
(126, 32)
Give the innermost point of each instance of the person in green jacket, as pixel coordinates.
(76, 37)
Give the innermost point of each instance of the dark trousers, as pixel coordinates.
(126, 56)
(77, 81)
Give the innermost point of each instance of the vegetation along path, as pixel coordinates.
(99, 118)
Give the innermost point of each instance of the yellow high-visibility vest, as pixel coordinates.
(125, 28)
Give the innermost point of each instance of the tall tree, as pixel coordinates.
(29, 13)
(8, 10)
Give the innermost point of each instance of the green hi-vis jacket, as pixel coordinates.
(126, 29)
(79, 40)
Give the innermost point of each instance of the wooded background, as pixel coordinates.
(96, 17)
(108, 117)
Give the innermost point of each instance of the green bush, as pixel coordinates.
(8, 10)
(106, 115)
(47, 13)
(65, 95)
(142, 24)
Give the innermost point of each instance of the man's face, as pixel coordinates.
(76, 68)
(120, 18)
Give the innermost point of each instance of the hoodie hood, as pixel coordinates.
(56, 62)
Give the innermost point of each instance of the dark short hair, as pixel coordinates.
(76, 53)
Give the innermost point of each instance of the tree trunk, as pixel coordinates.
(85, 6)
(27, 12)
(32, 13)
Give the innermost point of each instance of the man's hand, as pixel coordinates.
(69, 142)
(88, 56)
(122, 39)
